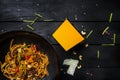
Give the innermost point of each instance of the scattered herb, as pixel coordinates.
(39, 15)
(47, 20)
(98, 54)
(34, 20)
(104, 31)
(108, 44)
(30, 27)
(114, 38)
(29, 21)
(89, 33)
(110, 19)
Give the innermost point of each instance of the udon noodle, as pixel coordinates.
(25, 62)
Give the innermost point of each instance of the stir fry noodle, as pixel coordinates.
(25, 62)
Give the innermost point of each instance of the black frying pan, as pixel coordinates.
(29, 37)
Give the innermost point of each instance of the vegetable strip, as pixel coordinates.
(39, 15)
(108, 44)
(30, 27)
(114, 38)
(34, 20)
(89, 33)
(110, 19)
(29, 21)
(105, 30)
(98, 54)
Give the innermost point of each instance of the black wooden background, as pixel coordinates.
(84, 15)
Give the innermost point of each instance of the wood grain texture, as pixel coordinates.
(46, 29)
(84, 10)
(84, 15)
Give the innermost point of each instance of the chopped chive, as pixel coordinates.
(19, 57)
(26, 46)
(108, 44)
(30, 27)
(114, 38)
(34, 20)
(89, 33)
(47, 20)
(110, 19)
(39, 15)
(98, 54)
(105, 30)
(29, 21)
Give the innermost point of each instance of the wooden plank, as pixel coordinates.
(109, 56)
(79, 10)
(92, 67)
(92, 74)
(102, 68)
(46, 29)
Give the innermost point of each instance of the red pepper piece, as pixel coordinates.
(17, 69)
(27, 57)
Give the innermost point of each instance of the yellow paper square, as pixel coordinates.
(67, 36)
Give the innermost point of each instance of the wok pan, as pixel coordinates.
(29, 37)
